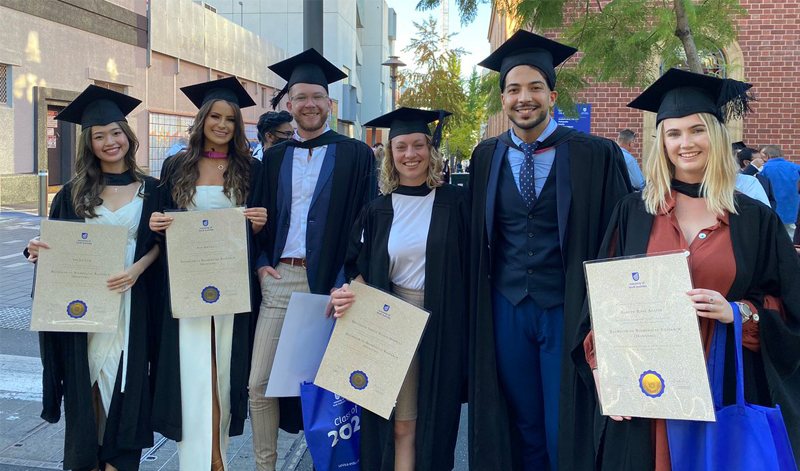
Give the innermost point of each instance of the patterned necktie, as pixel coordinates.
(526, 186)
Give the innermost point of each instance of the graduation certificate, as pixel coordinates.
(371, 349)
(208, 261)
(647, 338)
(70, 294)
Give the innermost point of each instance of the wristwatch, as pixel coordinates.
(747, 313)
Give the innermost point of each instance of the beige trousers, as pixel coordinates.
(406, 407)
(264, 413)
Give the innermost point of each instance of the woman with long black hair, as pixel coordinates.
(103, 378)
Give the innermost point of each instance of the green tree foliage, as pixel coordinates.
(621, 40)
(463, 137)
(436, 83)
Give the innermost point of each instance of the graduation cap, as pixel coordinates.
(679, 93)
(307, 67)
(411, 120)
(526, 48)
(228, 89)
(98, 106)
(739, 145)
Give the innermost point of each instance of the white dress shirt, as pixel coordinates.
(542, 163)
(305, 174)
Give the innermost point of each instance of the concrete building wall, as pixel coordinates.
(41, 54)
(377, 48)
(54, 49)
(346, 43)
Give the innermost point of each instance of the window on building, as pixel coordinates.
(165, 131)
(346, 80)
(713, 61)
(264, 97)
(5, 78)
(111, 86)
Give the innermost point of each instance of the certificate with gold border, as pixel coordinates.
(207, 259)
(70, 294)
(371, 349)
(649, 352)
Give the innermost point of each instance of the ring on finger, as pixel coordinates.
(711, 300)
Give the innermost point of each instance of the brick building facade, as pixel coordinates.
(767, 54)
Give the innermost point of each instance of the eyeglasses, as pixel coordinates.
(284, 134)
(317, 98)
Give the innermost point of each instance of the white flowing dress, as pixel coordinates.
(195, 363)
(105, 348)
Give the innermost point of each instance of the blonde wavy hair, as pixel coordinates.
(719, 177)
(390, 178)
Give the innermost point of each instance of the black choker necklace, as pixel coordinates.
(421, 190)
(689, 189)
(119, 179)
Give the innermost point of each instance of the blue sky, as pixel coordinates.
(473, 37)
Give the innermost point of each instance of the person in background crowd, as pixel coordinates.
(317, 182)
(740, 258)
(542, 197)
(746, 158)
(409, 242)
(445, 170)
(183, 141)
(625, 140)
(379, 151)
(273, 127)
(103, 378)
(755, 160)
(785, 176)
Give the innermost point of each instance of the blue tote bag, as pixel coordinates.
(332, 426)
(745, 437)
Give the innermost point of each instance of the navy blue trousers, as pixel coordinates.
(528, 347)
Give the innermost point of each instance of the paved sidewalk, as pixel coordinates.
(26, 441)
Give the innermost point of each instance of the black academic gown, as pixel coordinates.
(766, 264)
(442, 351)
(354, 185)
(592, 178)
(65, 373)
(166, 416)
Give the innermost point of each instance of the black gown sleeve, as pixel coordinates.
(50, 348)
(357, 260)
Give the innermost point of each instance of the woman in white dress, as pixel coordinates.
(200, 399)
(103, 377)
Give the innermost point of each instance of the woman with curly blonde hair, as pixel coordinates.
(410, 241)
(740, 258)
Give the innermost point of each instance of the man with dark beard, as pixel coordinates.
(542, 197)
(317, 182)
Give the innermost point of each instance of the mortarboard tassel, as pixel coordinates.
(734, 99)
(276, 100)
(436, 139)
